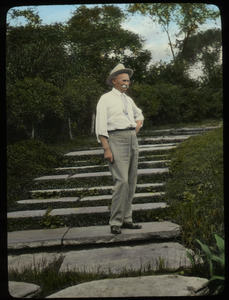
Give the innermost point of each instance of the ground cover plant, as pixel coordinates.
(195, 188)
(26, 160)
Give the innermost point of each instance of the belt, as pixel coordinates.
(126, 129)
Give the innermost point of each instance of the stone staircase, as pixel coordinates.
(68, 213)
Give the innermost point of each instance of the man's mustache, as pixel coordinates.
(125, 86)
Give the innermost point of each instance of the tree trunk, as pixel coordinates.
(93, 123)
(70, 129)
(33, 132)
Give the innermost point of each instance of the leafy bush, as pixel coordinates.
(195, 187)
(29, 103)
(216, 262)
(165, 103)
(25, 160)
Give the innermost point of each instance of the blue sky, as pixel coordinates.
(155, 39)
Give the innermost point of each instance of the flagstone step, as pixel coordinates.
(26, 214)
(23, 289)
(106, 165)
(165, 138)
(103, 209)
(137, 287)
(96, 188)
(109, 197)
(96, 235)
(79, 210)
(109, 260)
(119, 259)
(164, 145)
(142, 148)
(50, 200)
(88, 198)
(189, 130)
(165, 230)
(100, 174)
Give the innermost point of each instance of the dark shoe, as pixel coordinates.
(115, 230)
(131, 226)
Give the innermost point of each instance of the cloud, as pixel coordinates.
(155, 39)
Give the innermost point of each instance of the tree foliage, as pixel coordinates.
(29, 102)
(188, 16)
(56, 73)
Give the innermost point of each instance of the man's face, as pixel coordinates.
(121, 82)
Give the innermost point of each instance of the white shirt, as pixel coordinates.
(113, 113)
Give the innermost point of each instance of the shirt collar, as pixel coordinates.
(117, 92)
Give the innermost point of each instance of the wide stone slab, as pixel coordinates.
(101, 174)
(157, 145)
(27, 262)
(102, 209)
(166, 138)
(53, 177)
(101, 234)
(88, 235)
(23, 289)
(188, 130)
(109, 197)
(50, 200)
(144, 286)
(108, 187)
(26, 214)
(36, 238)
(151, 162)
(153, 147)
(115, 260)
(105, 165)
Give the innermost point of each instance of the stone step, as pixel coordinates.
(26, 214)
(165, 138)
(96, 188)
(109, 197)
(110, 260)
(100, 174)
(50, 200)
(164, 145)
(106, 165)
(88, 198)
(186, 130)
(96, 235)
(142, 148)
(79, 210)
(116, 260)
(137, 287)
(102, 209)
(23, 289)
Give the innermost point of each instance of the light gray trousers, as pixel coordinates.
(124, 146)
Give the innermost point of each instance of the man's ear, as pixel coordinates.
(113, 81)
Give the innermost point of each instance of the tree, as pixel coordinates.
(100, 42)
(188, 17)
(29, 102)
(80, 97)
(35, 50)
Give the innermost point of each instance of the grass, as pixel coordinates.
(195, 187)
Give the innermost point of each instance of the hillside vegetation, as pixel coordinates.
(195, 188)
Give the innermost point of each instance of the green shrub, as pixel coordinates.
(216, 262)
(195, 187)
(25, 160)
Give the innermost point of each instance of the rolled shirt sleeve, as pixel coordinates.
(101, 119)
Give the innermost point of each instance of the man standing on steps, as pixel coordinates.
(118, 121)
